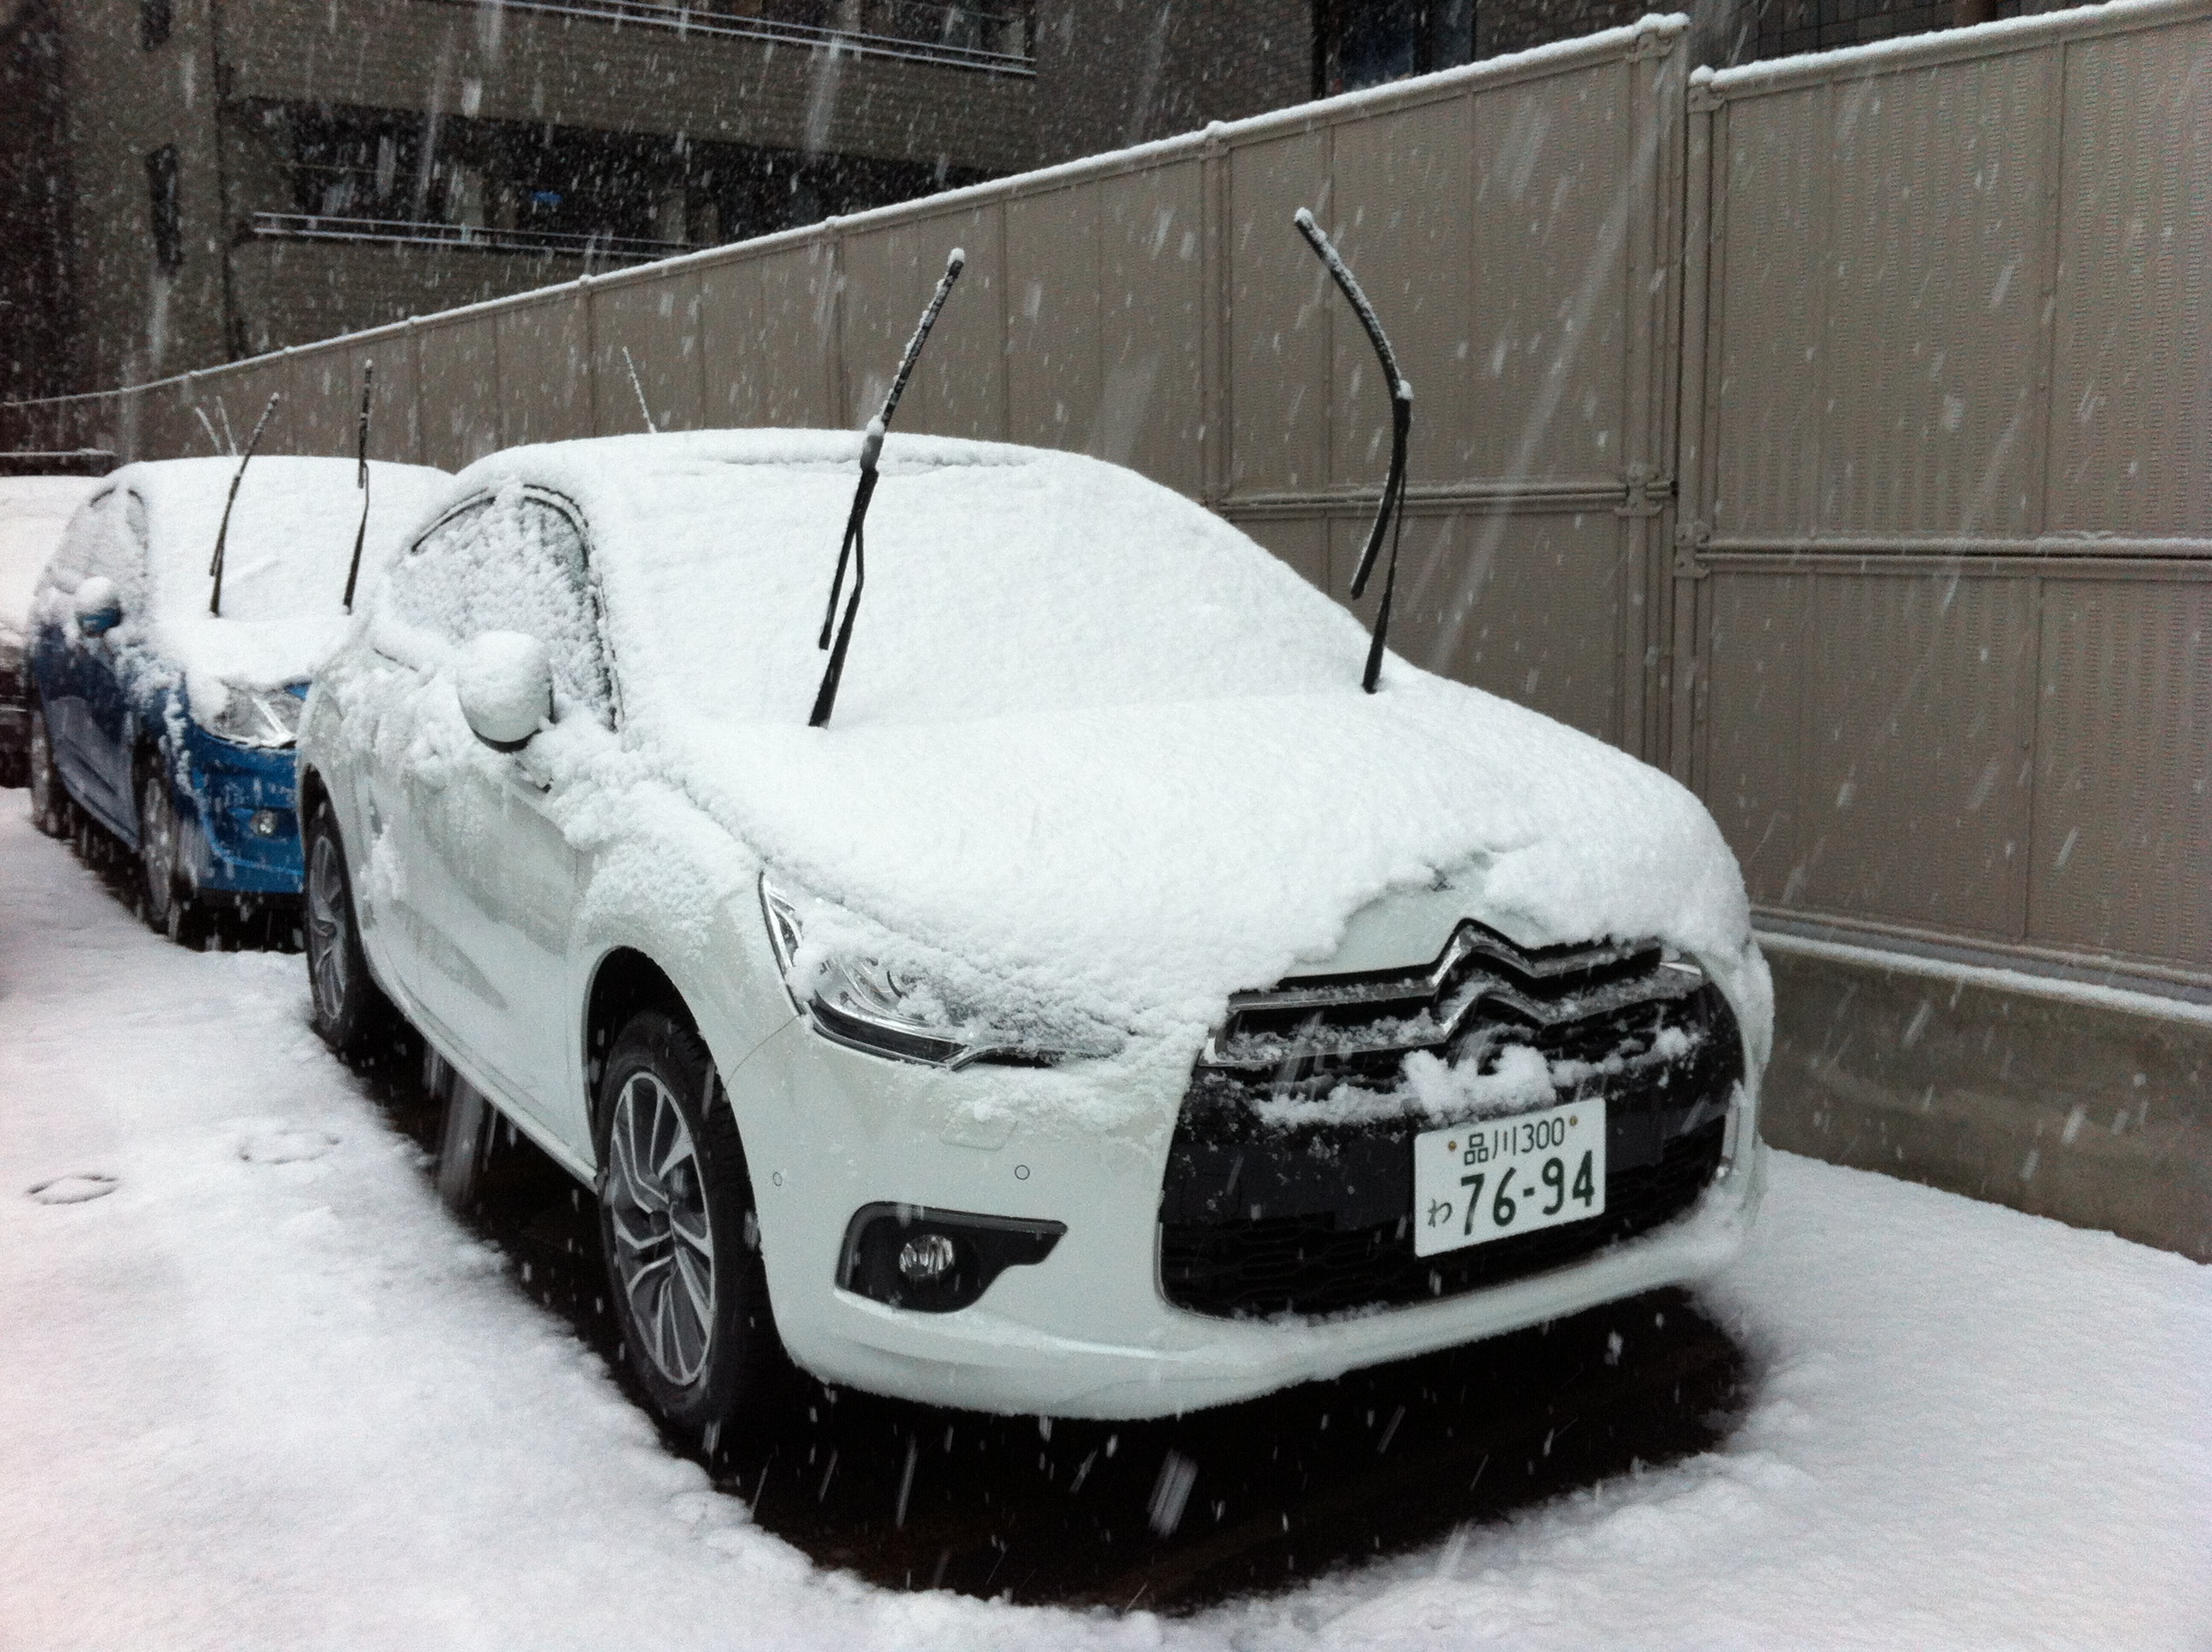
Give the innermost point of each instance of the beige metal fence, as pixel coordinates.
(1916, 589)
(1946, 496)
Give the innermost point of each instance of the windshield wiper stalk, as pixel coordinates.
(854, 549)
(222, 533)
(1389, 515)
(360, 480)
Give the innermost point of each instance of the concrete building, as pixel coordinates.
(187, 182)
(203, 180)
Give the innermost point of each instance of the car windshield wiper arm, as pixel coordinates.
(360, 480)
(222, 533)
(855, 548)
(1389, 515)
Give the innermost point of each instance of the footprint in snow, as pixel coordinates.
(285, 1146)
(73, 1189)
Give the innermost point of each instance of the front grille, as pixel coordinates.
(1280, 1198)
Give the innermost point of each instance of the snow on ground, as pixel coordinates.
(263, 1392)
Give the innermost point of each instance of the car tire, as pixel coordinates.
(351, 1013)
(677, 1222)
(50, 803)
(160, 897)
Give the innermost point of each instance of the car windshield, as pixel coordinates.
(1001, 582)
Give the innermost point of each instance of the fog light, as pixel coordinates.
(263, 822)
(927, 1260)
(934, 1261)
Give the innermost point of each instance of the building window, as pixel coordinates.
(154, 20)
(1366, 42)
(167, 217)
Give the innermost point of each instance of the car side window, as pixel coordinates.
(105, 536)
(74, 559)
(515, 562)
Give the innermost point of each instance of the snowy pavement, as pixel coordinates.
(264, 1392)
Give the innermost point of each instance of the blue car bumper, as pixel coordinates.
(242, 833)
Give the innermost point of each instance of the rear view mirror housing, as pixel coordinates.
(98, 606)
(505, 683)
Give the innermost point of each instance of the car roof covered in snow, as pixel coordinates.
(33, 511)
(284, 563)
(1000, 579)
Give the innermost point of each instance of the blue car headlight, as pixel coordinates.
(256, 717)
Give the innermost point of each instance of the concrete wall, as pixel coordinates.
(2084, 1104)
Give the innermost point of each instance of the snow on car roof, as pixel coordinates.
(33, 511)
(1092, 741)
(284, 565)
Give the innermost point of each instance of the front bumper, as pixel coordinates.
(241, 834)
(1088, 1332)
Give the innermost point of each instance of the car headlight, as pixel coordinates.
(911, 1012)
(262, 717)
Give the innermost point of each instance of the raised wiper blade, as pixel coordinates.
(1389, 515)
(222, 533)
(855, 548)
(360, 480)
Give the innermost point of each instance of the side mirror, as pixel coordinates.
(506, 688)
(98, 606)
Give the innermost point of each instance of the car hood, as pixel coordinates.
(1145, 862)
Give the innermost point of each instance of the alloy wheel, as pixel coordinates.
(157, 847)
(663, 1248)
(327, 914)
(45, 784)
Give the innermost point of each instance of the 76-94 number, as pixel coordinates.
(1506, 1198)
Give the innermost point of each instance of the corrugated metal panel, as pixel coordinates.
(767, 327)
(959, 389)
(1758, 642)
(1402, 215)
(325, 407)
(457, 365)
(1916, 750)
(1279, 315)
(2132, 399)
(2122, 857)
(545, 369)
(1153, 300)
(656, 319)
(1554, 198)
(1052, 391)
(1766, 378)
(1301, 541)
(1523, 605)
(1934, 305)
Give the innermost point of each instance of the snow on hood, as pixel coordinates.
(1092, 740)
(284, 562)
(33, 511)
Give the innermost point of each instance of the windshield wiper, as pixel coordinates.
(360, 480)
(1389, 516)
(222, 533)
(854, 549)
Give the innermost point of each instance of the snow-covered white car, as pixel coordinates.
(1113, 1011)
(165, 688)
(33, 511)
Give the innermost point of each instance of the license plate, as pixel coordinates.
(1493, 1178)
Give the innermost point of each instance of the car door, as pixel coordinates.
(491, 884)
(84, 700)
(110, 722)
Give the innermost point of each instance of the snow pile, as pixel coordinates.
(284, 564)
(1092, 742)
(33, 511)
(262, 1392)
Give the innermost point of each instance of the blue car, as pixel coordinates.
(164, 700)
